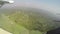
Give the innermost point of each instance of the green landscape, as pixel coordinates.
(26, 21)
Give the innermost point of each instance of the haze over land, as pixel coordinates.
(40, 14)
(52, 6)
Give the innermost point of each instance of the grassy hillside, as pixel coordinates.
(26, 21)
(13, 27)
(31, 20)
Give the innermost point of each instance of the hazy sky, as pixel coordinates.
(50, 5)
